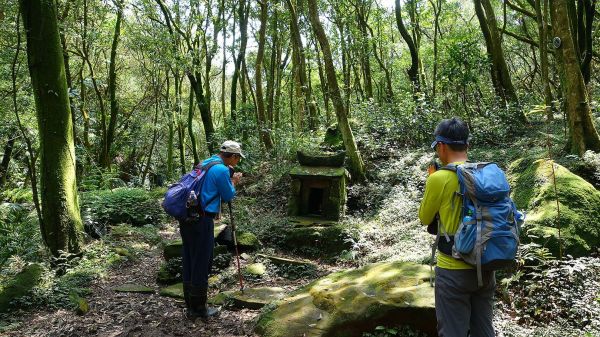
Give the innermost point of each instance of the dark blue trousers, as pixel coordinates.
(198, 239)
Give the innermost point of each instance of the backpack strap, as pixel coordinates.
(205, 169)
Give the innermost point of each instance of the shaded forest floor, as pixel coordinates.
(131, 314)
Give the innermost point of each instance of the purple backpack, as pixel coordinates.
(175, 202)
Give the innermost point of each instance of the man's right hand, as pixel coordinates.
(235, 179)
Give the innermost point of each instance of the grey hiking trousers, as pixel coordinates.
(461, 305)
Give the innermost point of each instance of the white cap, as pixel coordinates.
(230, 146)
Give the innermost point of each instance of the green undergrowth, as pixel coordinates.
(65, 282)
(19, 233)
(135, 206)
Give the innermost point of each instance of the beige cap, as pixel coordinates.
(230, 146)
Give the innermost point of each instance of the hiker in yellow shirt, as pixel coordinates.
(460, 304)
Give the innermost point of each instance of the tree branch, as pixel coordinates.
(520, 9)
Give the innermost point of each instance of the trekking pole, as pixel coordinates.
(237, 253)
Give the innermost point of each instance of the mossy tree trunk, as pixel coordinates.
(501, 79)
(243, 12)
(541, 10)
(582, 131)
(260, 103)
(357, 167)
(109, 136)
(61, 225)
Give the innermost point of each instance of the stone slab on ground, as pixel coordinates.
(175, 291)
(134, 288)
(349, 303)
(250, 298)
(276, 260)
(300, 221)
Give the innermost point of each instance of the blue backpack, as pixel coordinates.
(488, 236)
(176, 199)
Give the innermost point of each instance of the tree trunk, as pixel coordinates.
(8, 149)
(437, 8)
(582, 131)
(413, 71)
(303, 91)
(541, 13)
(362, 16)
(357, 167)
(260, 103)
(107, 142)
(62, 226)
(389, 92)
(324, 88)
(500, 74)
(243, 13)
(224, 64)
(273, 65)
(190, 124)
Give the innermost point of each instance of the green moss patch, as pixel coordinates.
(348, 303)
(256, 269)
(247, 241)
(579, 203)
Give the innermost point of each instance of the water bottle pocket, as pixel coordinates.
(464, 239)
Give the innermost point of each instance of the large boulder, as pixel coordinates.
(20, 285)
(348, 303)
(579, 202)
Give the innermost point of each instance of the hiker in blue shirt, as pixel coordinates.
(197, 232)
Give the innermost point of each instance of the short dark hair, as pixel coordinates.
(454, 129)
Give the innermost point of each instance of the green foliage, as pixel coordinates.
(170, 272)
(125, 233)
(402, 331)
(99, 179)
(17, 195)
(544, 290)
(122, 205)
(295, 271)
(19, 233)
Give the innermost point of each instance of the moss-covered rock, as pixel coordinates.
(134, 288)
(173, 249)
(579, 202)
(317, 239)
(170, 272)
(256, 269)
(247, 241)
(20, 285)
(175, 291)
(348, 303)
